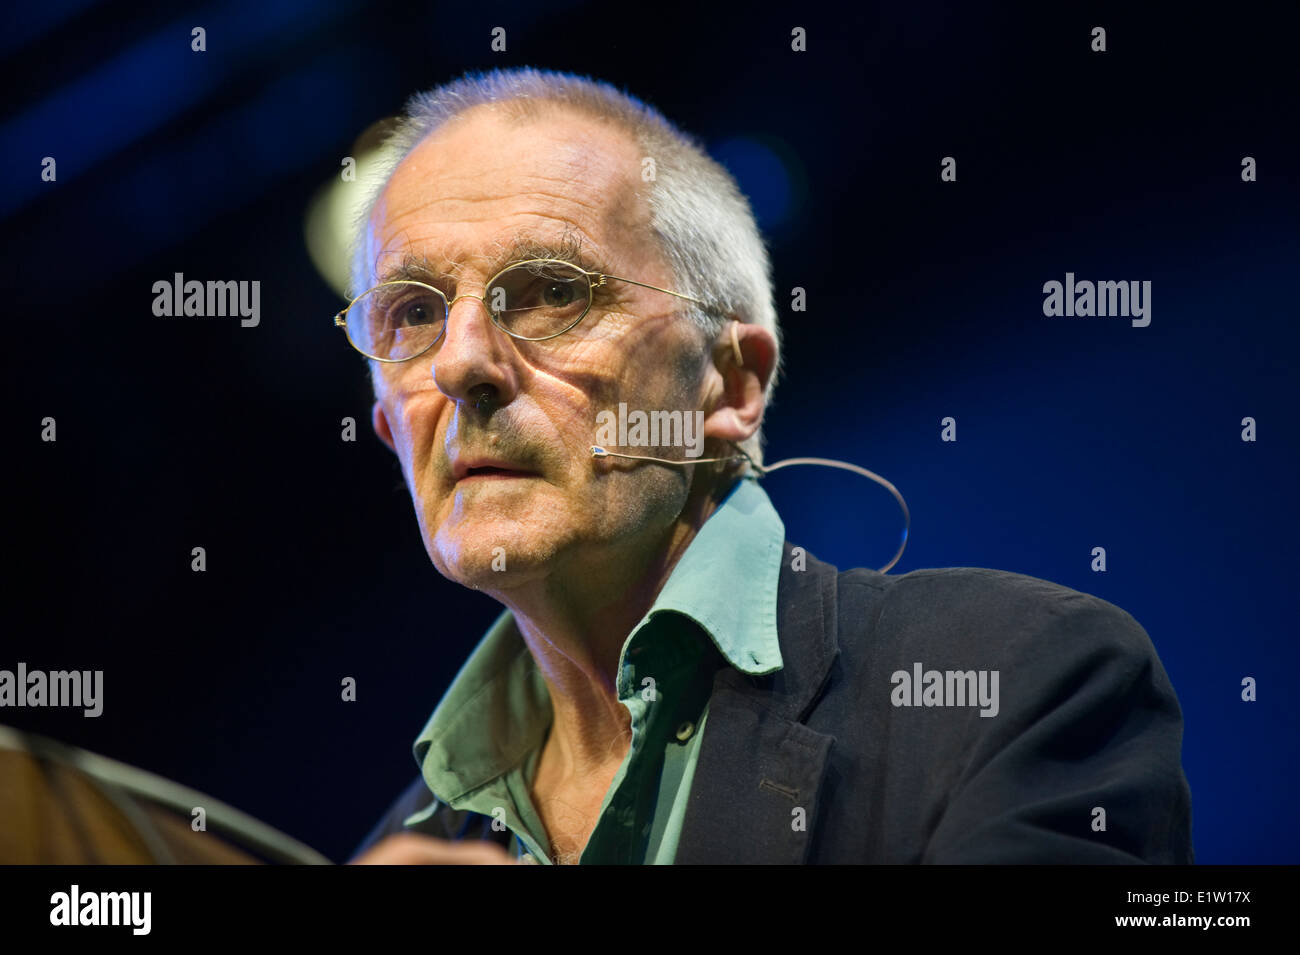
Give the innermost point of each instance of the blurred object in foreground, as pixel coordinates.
(60, 805)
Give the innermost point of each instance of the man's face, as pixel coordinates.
(510, 496)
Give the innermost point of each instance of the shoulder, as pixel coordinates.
(1034, 705)
(983, 608)
(1057, 662)
(1045, 639)
(969, 590)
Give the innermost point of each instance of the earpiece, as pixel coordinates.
(735, 344)
(763, 470)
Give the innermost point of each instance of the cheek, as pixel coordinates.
(566, 395)
(658, 389)
(414, 420)
(657, 366)
(420, 418)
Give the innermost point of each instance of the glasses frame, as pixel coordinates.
(594, 281)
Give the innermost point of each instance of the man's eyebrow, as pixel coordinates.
(415, 266)
(567, 248)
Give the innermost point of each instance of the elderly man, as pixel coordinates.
(670, 680)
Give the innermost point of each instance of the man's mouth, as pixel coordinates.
(488, 473)
(485, 469)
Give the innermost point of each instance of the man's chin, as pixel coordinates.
(482, 560)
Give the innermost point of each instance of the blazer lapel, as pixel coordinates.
(754, 796)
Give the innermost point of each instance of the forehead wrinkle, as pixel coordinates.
(552, 207)
(575, 163)
(570, 244)
(616, 207)
(460, 208)
(576, 153)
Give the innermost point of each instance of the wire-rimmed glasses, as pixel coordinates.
(533, 300)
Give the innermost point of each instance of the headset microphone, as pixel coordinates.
(763, 470)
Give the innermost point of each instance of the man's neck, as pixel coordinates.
(576, 634)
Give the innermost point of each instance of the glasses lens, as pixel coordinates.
(537, 300)
(396, 320)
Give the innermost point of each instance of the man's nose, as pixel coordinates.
(473, 353)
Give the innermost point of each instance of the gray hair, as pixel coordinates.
(702, 221)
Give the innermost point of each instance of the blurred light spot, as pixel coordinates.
(333, 212)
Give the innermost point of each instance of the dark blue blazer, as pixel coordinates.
(818, 763)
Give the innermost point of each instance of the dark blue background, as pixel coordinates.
(924, 301)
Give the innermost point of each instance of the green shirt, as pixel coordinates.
(480, 748)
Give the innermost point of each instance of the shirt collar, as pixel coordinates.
(727, 581)
(498, 707)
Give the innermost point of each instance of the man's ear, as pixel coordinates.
(738, 410)
(379, 421)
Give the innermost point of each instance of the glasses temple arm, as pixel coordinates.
(689, 298)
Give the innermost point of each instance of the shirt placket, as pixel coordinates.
(621, 833)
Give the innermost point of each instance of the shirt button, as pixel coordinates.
(685, 730)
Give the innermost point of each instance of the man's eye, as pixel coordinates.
(558, 294)
(414, 314)
(412, 311)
